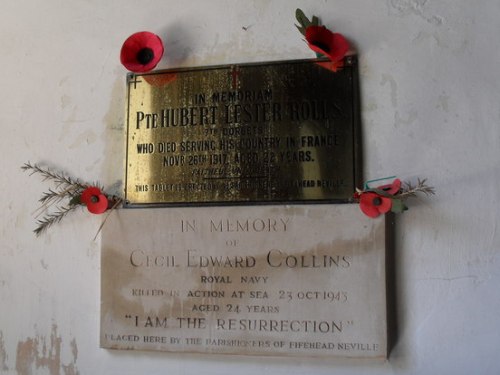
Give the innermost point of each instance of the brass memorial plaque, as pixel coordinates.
(273, 132)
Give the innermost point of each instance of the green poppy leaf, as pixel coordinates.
(301, 29)
(315, 21)
(75, 200)
(398, 206)
(301, 17)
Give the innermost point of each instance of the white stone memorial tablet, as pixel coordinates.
(302, 280)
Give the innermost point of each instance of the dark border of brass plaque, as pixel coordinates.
(274, 132)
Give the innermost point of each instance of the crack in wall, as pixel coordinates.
(415, 7)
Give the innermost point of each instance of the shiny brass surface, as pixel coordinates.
(248, 133)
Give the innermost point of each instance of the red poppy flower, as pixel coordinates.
(96, 202)
(391, 188)
(373, 204)
(141, 52)
(323, 41)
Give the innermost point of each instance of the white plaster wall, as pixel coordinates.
(430, 81)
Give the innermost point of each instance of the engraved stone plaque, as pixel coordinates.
(304, 280)
(259, 133)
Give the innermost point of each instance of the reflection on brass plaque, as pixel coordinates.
(273, 132)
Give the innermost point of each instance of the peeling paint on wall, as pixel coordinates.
(71, 368)
(38, 353)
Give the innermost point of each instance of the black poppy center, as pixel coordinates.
(322, 46)
(377, 201)
(145, 55)
(94, 199)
